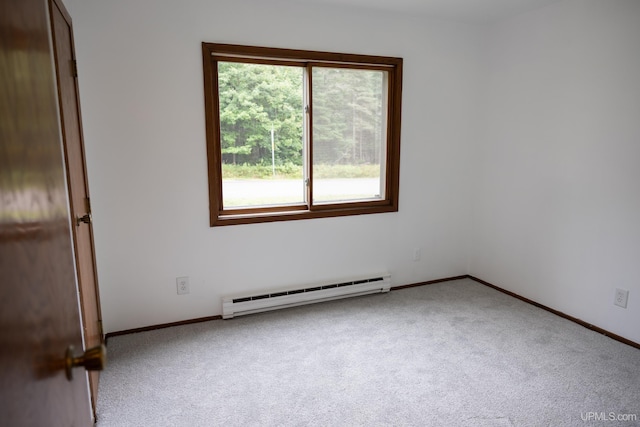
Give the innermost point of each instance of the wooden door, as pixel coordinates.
(69, 102)
(39, 315)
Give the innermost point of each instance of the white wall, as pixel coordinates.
(520, 152)
(143, 112)
(557, 200)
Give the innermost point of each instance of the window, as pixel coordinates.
(297, 134)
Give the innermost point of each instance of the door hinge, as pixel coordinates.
(101, 330)
(74, 68)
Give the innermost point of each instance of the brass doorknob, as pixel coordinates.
(86, 218)
(94, 359)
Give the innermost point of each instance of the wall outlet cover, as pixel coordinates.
(182, 285)
(621, 298)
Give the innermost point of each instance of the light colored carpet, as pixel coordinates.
(449, 354)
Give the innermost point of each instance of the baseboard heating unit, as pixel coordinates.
(239, 305)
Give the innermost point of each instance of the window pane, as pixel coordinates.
(261, 141)
(349, 134)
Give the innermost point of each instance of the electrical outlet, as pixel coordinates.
(417, 254)
(182, 284)
(621, 298)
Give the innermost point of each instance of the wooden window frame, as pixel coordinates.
(214, 52)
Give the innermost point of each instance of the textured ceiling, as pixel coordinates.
(477, 11)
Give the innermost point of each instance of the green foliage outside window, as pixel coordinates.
(256, 98)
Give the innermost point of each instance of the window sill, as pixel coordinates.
(223, 219)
